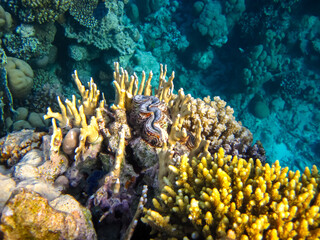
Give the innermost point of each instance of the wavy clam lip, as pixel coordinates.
(149, 115)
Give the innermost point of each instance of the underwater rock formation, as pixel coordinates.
(15, 145)
(27, 215)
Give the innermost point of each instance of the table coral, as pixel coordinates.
(219, 196)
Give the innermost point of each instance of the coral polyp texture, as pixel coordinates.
(225, 197)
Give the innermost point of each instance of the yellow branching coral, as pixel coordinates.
(165, 89)
(88, 134)
(227, 196)
(180, 108)
(73, 116)
(90, 96)
(56, 138)
(127, 87)
(120, 155)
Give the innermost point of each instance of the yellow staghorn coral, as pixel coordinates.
(73, 116)
(56, 137)
(165, 89)
(90, 97)
(127, 87)
(231, 198)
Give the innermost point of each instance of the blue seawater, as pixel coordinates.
(100, 11)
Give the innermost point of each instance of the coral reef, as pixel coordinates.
(212, 23)
(260, 56)
(229, 197)
(112, 32)
(107, 156)
(166, 122)
(37, 11)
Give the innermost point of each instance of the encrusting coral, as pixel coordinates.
(227, 197)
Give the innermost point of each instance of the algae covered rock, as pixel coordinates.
(27, 215)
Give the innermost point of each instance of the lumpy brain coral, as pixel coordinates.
(20, 77)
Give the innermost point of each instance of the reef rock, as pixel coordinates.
(27, 215)
(7, 185)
